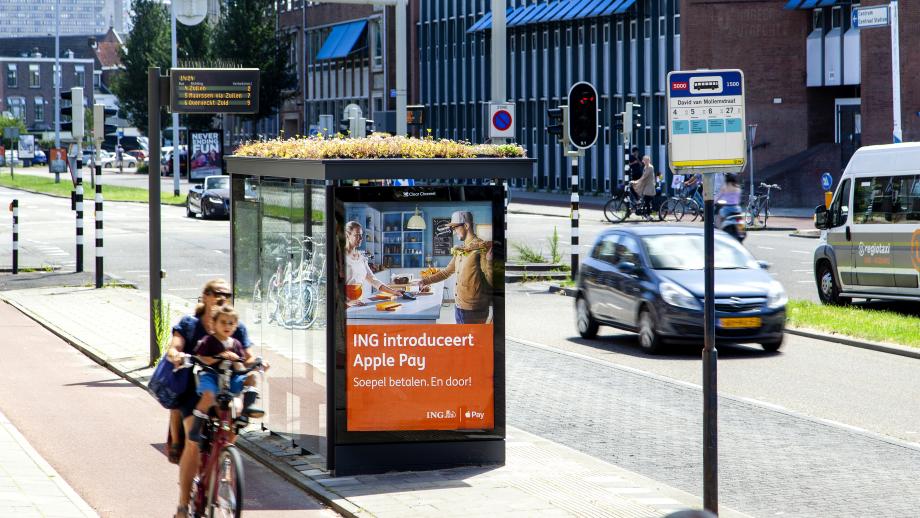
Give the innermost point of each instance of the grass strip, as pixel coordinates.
(109, 192)
(853, 321)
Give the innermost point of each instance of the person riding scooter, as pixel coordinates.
(729, 216)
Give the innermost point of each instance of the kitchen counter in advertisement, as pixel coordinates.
(419, 377)
(425, 309)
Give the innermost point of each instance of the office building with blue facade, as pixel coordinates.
(624, 47)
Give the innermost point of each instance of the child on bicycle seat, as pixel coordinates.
(212, 350)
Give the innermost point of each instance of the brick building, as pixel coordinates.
(27, 88)
(349, 58)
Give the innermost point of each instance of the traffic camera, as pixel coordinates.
(583, 115)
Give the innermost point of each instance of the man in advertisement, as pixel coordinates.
(472, 263)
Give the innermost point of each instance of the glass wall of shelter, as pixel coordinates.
(279, 282)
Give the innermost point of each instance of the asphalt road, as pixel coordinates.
(105, 435)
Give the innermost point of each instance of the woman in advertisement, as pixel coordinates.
(358, 274)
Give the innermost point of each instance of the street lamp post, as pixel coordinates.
(175, 116)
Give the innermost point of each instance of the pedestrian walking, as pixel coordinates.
(185, 336)
(644, 187)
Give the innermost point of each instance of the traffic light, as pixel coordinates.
(618, 122)
(72, 110)
(637, 116)
(583, 115)
(101, 125)
(555, 122)
(627, 126)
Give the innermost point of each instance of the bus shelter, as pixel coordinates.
(376, 290)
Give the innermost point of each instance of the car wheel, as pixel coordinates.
(188, 210)
(649, 340)
(828, 291)
(587, 325)
(773, 346)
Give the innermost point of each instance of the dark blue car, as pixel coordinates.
(649, 280)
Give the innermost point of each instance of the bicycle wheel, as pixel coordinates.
(692, 209)
(225, 492)
(764, 213)
(753, 216)
(616, 210)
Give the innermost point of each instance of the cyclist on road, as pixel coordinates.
(190, 330)
(212, 349)
(644, 187)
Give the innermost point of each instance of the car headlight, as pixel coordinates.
(214, 199)
(776, 295)
(678, 296)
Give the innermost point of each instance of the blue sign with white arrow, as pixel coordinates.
(827, 181)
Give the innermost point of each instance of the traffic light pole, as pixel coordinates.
(574, 218)
(153, 207)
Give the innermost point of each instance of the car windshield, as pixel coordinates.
(221, 182)
(686, 251)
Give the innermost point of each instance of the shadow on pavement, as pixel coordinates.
(909, 309)
(628, 345)
(111, 383)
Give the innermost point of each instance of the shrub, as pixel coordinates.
(375, 146)
(526, 254)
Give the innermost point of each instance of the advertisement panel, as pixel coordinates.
(206, 155)
(26, 147)
(2, 156)
(57, 160)
(420, 337)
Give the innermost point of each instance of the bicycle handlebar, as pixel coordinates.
(188, 360)
(771, 186)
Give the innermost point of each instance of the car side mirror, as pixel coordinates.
(196, 187)
(764, 265)
(628, 268)
(821, 217)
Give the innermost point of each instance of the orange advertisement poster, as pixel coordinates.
(419, 377)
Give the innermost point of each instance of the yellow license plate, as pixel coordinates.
(739, 323)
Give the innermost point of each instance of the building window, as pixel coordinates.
(647, 27)
(606, 34)
(817, 19)
(97, 79)
(632, 30)
(620, 32)
(593, 35)
(376, 44)
(17, 107)
(79, 76)
(677, 25)
(581, 35)
(568, 37)
(533, 41)
(556, 38)
(39, 109)
(35, 79)
(513, 44)
(12, 78)
(661, 28)
(835, 17)
(545, 40)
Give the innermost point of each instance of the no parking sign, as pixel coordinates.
(501, 120)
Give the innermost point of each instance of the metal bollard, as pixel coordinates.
(14, 206)
(99, 272)
(78, 205)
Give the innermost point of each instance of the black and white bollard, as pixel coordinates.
(574, 251)
(15, 208)
(78, 205)
(99, 271)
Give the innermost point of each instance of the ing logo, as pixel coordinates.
(915, 249)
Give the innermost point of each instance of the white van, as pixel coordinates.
(870, 244)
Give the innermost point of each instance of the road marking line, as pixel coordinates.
(766, 247)
(801, 252)
(208, 274)
(802, 271)
(804, 282)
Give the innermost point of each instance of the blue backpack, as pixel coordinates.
(167, 385)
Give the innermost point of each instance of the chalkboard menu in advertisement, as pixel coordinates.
(441, 242)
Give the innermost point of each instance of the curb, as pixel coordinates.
(814, 335)
(334, 501)
(338, 504)
(872, 346)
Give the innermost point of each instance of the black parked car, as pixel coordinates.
(211, 199)
(649, 280)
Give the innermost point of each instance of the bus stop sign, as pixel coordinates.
(706, 129)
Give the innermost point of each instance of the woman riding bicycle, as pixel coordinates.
(185, 336)
(644, 187)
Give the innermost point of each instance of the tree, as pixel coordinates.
(248, 38)
(195, 48)
(148, 45)
(11, 122)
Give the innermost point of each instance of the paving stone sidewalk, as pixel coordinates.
(540, 478)
(29, 486)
